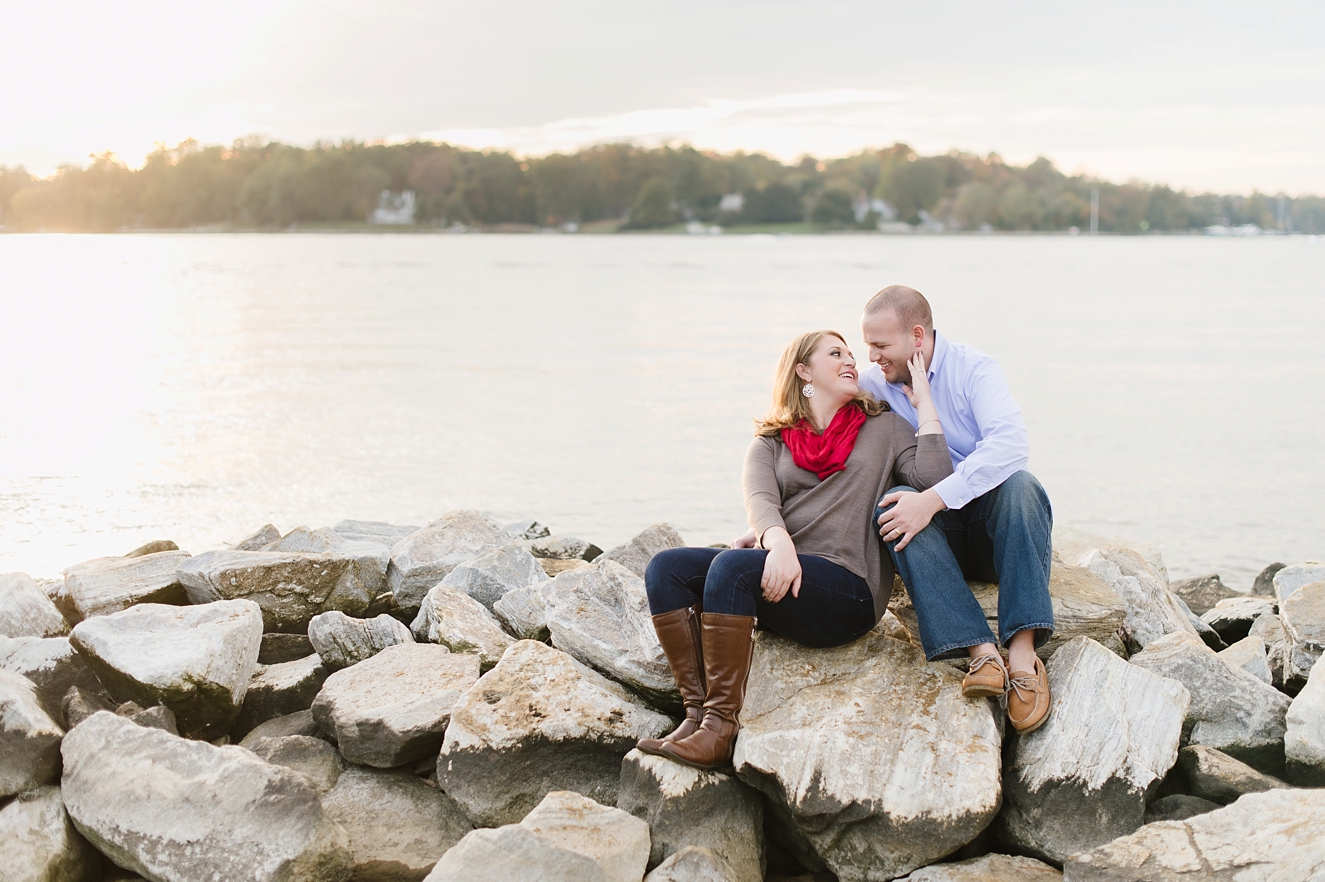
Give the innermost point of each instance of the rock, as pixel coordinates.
(1248, 654)
(567, 838)
(1075, 546)
(242, 818)
(158, 717)
(301, 723)
(636, 554)
(1230, 710)
(424, 558)
(156, 546)
(1202, 592)
(302, 539)
(1263, 836)
(693, 864)
(29, 738)
(373, 531)
(1304, 742)
(278, 691)
(393, 708)
(600, 615)
(687, 808)
(527, 529)
(562, 548)
(490, 574)
(78, 705)
(1178, 807)
(524, 610)
(196, 660)
(264, 535)
(1083, 778)
(539, 721)
(398, 825)
(1264, 584)
(1302, 614)
(107, 585)
(990, 868)
(1152, 611)
(1271, 630)
(26, 611)
(1218, 777)
(312, 756)
(555, 568)
(872, 757)
(1232, 617)
(342, 641)
(1209, 636)
(279, 648)
(461, 624)
(53, 667)
(38, 843)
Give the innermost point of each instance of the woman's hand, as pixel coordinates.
(917, 391)
(782, 569)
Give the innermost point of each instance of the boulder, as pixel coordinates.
(79, 704)
(29, 738)
(342, 641)
(278, 691)
(490, 574)
(241, 818)
(312, 756)
(1262, 836)
(1271, 630)
(461, 624)
(1232, 617)
(527, 529)
(870, 757)
(398, 825)
(373, 531)
(1230, 710)
(539, 721)
(38, 843)
(1248, 654)
(393, 708)
(156, 546)
(26, 611)
(1084, 777)
(279, 648)
(562, 548)
(301, 723)
(1218, 777)
(1209, 636)
(1202, 592)
(693, 864)
(1302, 614)
(1289, 579)
(53, 667)
(687, 808)
(264, 535)
(1152, 611)
(1264, 584)
(635, 554)
(196, 660)
(1178, 807)
(425, 557)
(566, 838)
(555, 568)
(157, 717)
(600, 615)
(990, 868)
(524, 611)
(109, 584)
(1304, 742)
(1075, 547)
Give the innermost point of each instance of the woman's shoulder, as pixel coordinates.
(886, 423)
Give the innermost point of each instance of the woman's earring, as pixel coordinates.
(808, 391)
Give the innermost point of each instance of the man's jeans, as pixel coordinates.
(1001, 537)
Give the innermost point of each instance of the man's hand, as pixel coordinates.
(749, 540)
(911, 514)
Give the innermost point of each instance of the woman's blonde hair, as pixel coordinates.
(790, 406)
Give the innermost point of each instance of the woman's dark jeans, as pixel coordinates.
(834, 607)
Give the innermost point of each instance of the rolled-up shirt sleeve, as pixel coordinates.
(1004, 445)
(763, 497)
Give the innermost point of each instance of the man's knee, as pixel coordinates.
(1022, 491)
(880, 508)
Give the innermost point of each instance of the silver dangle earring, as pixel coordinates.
(808, 391)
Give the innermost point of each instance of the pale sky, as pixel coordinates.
(1206, 96)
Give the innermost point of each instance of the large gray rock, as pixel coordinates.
(79, 704)
(373, 531)
(26, 611)
(1202, 592)
(1302, 613)
(872, 756)
(1271, 630)
(539, 721)
(398, 825)
(527, 528)
(562, 548)
(156, 546)
(1232, 618)
(342, 641)
(393, 708)
(523, 612)
(1152, 611)
(635, 554)
(1263, 837)
(990, 868)
(1178, 807)
(686, 807)
(1218, 777)
(1209, 636)
(312, 756)
(29, 738)
(490, 574)
(280, 648)
(1304, 742)
(291, 586)
(600, 615)
(53, 666)
(264, 535)
(195, 660)
(197, 812)
(460, 623)
(301, 723)
(566, 838)
(1230, 709)
(1083, 778)
(1264, 584)
(693, 864)
(278, 691)
(424, 558)
(109, 584)
(38, 843)
(1249, 655)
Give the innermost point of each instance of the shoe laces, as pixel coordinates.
(981, 660)
(1028, 682)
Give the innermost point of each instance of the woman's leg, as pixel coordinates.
(674, 579)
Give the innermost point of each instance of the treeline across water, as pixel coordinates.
(256, 184)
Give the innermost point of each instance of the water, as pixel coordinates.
(197, 386)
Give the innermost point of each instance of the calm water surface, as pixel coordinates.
(196, 387)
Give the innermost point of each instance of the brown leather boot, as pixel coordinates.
(678, 632)
(728, 646)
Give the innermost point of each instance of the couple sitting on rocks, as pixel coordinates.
(840, 462)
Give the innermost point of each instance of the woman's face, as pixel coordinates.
(831, 369)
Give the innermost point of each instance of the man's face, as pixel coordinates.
(889, 344)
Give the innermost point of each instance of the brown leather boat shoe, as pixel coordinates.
(987, 677)
(1028, 699)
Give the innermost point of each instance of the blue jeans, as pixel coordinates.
(835, 605)
(1003, 537)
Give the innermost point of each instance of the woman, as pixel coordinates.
(821, 459)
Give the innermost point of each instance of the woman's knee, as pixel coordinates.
(734, 564)
(670, 570)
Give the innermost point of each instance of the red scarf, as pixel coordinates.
(827, 453)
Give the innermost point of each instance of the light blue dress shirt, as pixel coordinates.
(981, 420)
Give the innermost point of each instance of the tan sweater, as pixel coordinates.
(833, 518)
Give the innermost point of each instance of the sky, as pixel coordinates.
(1218, 96)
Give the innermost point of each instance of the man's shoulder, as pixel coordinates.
(966, 358)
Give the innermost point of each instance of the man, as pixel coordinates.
(990, 520)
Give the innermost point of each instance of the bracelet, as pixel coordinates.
(926, 423)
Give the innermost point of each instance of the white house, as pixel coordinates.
(393, 208)
(732, 203)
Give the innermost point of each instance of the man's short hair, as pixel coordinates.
(908, 304)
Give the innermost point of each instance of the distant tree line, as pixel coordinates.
(256, 184)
